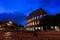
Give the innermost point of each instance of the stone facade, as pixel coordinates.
(34, 19)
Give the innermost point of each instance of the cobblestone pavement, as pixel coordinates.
(9, 36)
(30, 35)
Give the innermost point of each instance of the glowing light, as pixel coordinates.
(51, 26)
(33, 23)
(39, 28)
(29, 20)
(36, 28)
(30, 29)
(57, 28)
(10, 22)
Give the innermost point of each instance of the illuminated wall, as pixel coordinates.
(34, 19)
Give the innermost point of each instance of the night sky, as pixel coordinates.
(18, 10)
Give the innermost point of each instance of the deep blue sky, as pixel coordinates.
(17, 10)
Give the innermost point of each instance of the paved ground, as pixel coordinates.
(51, 35)
(9, 36)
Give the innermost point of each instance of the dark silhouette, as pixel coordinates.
(49, 21)
(57, 19)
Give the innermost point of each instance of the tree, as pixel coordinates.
(57, 19)
(47, 22)
(20, 27)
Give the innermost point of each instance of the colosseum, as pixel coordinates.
(34, 19)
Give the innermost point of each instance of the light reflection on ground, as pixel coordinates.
(43, 35)
(7, 36)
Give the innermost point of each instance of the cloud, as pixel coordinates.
(17, 10)
(16, 17)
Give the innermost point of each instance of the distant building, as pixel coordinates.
(11, 26)
(2, 26)
(34, 19)
(21, 27)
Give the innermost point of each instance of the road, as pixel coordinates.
(50, 35)
(9, 36)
